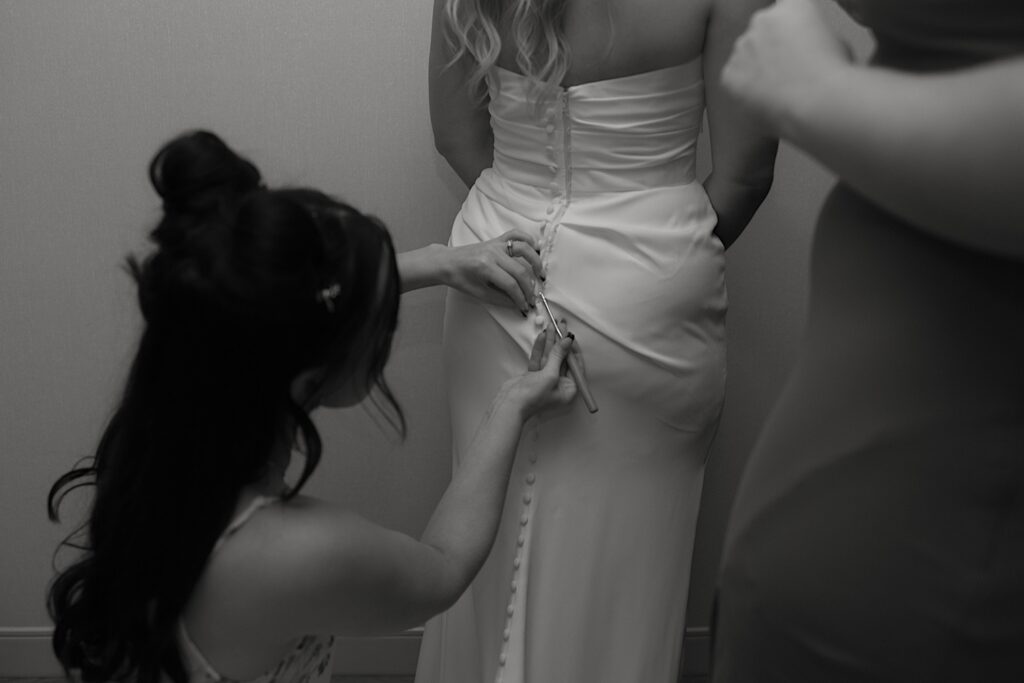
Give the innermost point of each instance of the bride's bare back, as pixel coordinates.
(613, 38)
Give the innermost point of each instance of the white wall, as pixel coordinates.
(327, 93)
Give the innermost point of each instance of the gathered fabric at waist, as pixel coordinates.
(573, 158)
(616, 135)
(596, 178)
(642, 215)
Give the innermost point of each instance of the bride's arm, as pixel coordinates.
(742, 151)
(461, 124)
(942, 151)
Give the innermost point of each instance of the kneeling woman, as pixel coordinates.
(201, 561)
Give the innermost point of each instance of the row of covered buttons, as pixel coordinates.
(558, 193)
(517, 562)
(550, 128)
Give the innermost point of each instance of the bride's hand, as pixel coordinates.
(781, 61)
(494, 272)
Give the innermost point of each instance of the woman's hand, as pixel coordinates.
(545, 383)
(494, 272)
(779, 64)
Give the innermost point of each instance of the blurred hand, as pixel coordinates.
(545, 383)
(487, 272)
(786, 54)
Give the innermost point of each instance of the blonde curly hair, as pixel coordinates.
(536, 27)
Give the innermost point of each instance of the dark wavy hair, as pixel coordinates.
(247, 288)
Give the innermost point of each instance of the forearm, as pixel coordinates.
(423, 267)
(464, 523)
(941, 151)
(735, 202)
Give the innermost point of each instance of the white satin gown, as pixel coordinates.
(587, 581)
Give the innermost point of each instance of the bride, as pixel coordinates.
(575, 124)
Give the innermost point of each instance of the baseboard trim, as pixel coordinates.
(382, 655)
(696, 662)
(25, 653)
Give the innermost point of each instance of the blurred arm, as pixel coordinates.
(942, 151)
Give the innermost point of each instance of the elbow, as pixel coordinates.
(454, 586)
(449, 579)
(421, 612)
(758, 179)
(449, 144)
(758, 175)
(755, 186)
(739, 195)
(752, 178)
(761, 188)
(446, 602)
(463, 143)
(443, 146)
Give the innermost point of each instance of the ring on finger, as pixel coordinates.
(508, 248)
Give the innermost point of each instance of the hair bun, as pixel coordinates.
(198, 173)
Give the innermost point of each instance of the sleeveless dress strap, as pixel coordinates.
(193, 652)
(254, 506)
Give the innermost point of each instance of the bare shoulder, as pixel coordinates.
(293, 540)
(308, 566)
(250, 601)
(284, 549)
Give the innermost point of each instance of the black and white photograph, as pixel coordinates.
(512, 341)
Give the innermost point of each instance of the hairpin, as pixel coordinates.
(327, 295)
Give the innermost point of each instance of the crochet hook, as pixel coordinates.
(574, 365)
